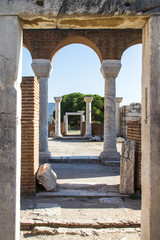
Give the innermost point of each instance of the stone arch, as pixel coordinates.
(79, 40)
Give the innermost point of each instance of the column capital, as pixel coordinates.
(110, 68)
(88, 99)
(119, 99)
(58, 99)
(41, 67)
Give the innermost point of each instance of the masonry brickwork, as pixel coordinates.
(134, 133)
(107, 43)
(97, 129)
(30, 133)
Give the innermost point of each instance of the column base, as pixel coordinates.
(46, 154)
(57, 136)
(108, 156)
(87, 136)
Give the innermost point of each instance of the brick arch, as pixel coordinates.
(107, 43)
(131, 45)
(79, 40)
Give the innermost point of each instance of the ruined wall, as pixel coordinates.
(129, 113)
(97, 129)
(134, 133)
(30, 133)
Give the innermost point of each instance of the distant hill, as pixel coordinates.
(51, 108)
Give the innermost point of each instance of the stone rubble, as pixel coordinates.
(47, 177)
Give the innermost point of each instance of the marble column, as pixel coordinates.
(58, 117)
(66, 123)
(88, 101)
(11, 36)
(42, 69)
(150, 215)
(110, 70)
(118, 117)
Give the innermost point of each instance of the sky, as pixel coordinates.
(76, 68)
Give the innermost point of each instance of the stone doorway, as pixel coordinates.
(73, 128)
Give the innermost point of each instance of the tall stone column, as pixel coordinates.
(10, 126)
(110, 70)
(66, 123)
(118, 120)
(58, 117)
(88, 101)
(42, 69)
(150, 216)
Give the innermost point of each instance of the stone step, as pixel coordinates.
(74, 159)
(82, 159)
(78, 193)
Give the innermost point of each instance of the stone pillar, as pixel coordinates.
(81, 119)
(88, 133)
(118, 117)
(151, 130)
(66, 124)
(42, 69)
(110, 70)
(10, 126)
(58, 117)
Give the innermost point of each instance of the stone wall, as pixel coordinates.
(134, 133)
(30, 133)
(129, 113)
(51, 129)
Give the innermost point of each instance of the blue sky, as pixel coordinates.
(76, 68)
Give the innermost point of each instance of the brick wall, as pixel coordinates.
(134, 133)
(30, 133)
(97, 129)
(107, 43)
(51, 128)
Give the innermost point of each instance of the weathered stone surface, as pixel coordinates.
(127, 166)
(42, 69)
(81, 14)
(110, 70)
(10, 127)
(47, 177)
(151, 130)
(96, 138)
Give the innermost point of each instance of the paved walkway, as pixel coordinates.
(87, 204)
(76, 148)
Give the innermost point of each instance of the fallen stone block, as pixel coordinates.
(96, 138)
(47, 177)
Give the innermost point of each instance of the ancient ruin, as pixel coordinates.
(109, 28)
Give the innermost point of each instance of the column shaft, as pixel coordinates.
(118, 120)
(58, 117)
(110, 69)
(151, 130)
(66, 124)
(88, 101)
(43, 116)
(42, 69)
(10, 122)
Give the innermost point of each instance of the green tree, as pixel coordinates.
(74, 102)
